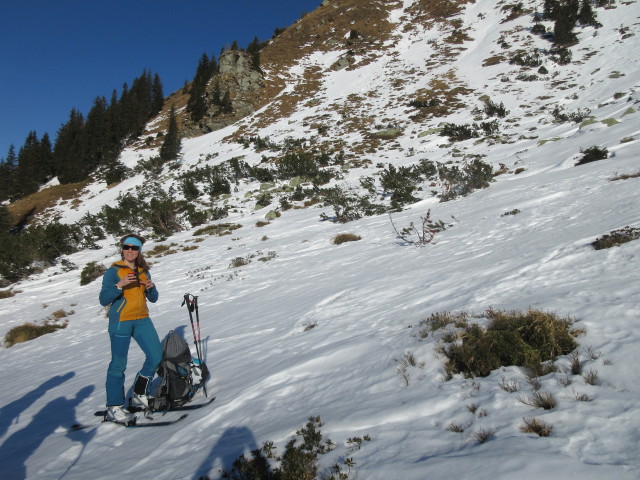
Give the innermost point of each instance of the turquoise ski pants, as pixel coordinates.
(121, 333)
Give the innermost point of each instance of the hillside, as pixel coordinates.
(298, 326)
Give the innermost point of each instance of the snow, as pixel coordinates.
(320, 329)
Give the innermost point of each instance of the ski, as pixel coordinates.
(80, 426)
(193, 406)
(132, 409)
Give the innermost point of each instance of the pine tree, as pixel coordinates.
(157, 96)
(586, 15)
(253, 49)
(47, 172)
(566, 17)
(31, 170)
(97, 134)
(170, 148)
(7, 170)
(69, 151)
(550, 9)
(196, 106)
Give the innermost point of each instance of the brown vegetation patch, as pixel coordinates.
(447, 90)
(30, 331)
(495, 60)
(28, 207)
(513, 11)
(428, 10)
(345, 237)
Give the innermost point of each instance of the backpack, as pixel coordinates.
(181, 375)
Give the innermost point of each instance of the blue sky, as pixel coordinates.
(56, 55)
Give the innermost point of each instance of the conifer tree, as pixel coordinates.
(170, 148)
(586, 15)
(550, 9)
(97, 135)
(69, 150)
(253, 49)
(196, 106)
(33, 159)
(566, 17)
(46, 170)
(157, 96)
(7, 170)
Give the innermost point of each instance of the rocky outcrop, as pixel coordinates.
(237, 81)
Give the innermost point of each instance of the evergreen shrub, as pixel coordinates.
(592, 154)
(299, 460)
(529, 339)
(91, 272)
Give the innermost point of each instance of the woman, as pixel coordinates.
(127, 286)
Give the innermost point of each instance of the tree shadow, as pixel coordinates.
(233, 443)
(60, 412)
(11, 412)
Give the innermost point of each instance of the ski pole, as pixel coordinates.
(200, 352)
(190, 308)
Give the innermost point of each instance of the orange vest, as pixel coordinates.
(134, 302)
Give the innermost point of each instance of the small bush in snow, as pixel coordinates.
(8, 293)
(528, 339)
(591, 377)
(440, 320)
(492, 109)
(482, 435)
(298, 462)
(581, 397)
(239, 262)
(625, 176)
(90, 272)
(458, 133)
(218, 229)
(460, 182)
(509, 386)
(537, 426)
(616, 238)
(345, 237)
(29, 331)
(539, 399)
(593, 154)
(526, 60)
(421, 235)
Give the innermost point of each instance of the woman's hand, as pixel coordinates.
(128, 279)
(147, 283)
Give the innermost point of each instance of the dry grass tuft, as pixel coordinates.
(29, 331)
(481, 435)
(539, 399)
(625, 176)
(345, 237)
(8, 293)
(537, 426)
(218, 229)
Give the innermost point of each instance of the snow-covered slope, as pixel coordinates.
(317, 329)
